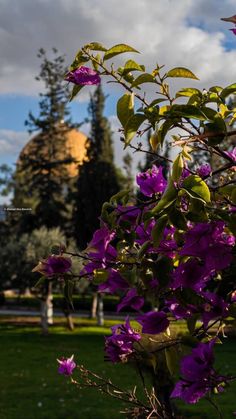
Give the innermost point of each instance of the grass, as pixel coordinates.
(32, 389)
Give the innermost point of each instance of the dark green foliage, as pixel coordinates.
(98, 178)
(18, 256)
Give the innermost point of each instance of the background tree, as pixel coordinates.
(127, 165)
(41, 178)
(98, 179)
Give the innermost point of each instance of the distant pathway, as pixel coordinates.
(81, 314)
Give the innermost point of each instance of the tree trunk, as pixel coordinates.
(67, 312)
(100, 313)
(94, 306)
(46, 308)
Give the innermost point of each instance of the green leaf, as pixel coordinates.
(163, 131)
(216, 89)
(172, 359)
(68, 291)
(158, 229)
(218, 128)
(156, 102)
(79, 60)
(76, 89)
(143, 249)
(154, 141)
(131, 65)
(125, 108)
(228, 90)
(177, 168)
(143, 78)
(97, 59)
(95, 46)
(188, 92)
(118, 49)
(167, 198)
(188, 111)
(99, 276)
(191, 323)
(188, 296)
(181, 72)
(195, 185)
(117, 198)
(177, 219)
(132, 126)
(210, 113)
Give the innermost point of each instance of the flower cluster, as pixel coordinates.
(169, 254)
(119, 346)
(198, 376)
(193, 262)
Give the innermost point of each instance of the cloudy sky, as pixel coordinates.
(172, 32)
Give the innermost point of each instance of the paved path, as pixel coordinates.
(81, 314)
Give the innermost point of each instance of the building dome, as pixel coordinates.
(74, 146)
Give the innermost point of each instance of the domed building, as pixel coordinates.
(73, 147)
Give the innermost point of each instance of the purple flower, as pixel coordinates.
(53, 265)
(100, 252)
(232, 154)
(207, 241)
(204, 170)
(119, 346)
(101, 240)
(66, 365)
(178, 310)
(132, 299)
(113, 283)
(83, 76)
(151, 181)
(214, 308)
(129, 213)
(190, 274)
(197, 374)
(153, 322)
(167, 245)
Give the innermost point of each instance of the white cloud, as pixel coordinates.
(186, 32)
(11, 143)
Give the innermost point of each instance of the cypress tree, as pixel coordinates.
(98, 179)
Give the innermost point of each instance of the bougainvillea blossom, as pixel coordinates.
(153, 322)
(83, 76)
(152, 181)
(132, 299)
(119, 346)
(53, 265)
(66, 365)
(204, 170)
(197, 374)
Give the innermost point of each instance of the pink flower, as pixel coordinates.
(204, 170)
(66, 365)
(83, 76)
(151, 181)
(53, 265)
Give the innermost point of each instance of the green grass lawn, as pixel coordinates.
(31, 388)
